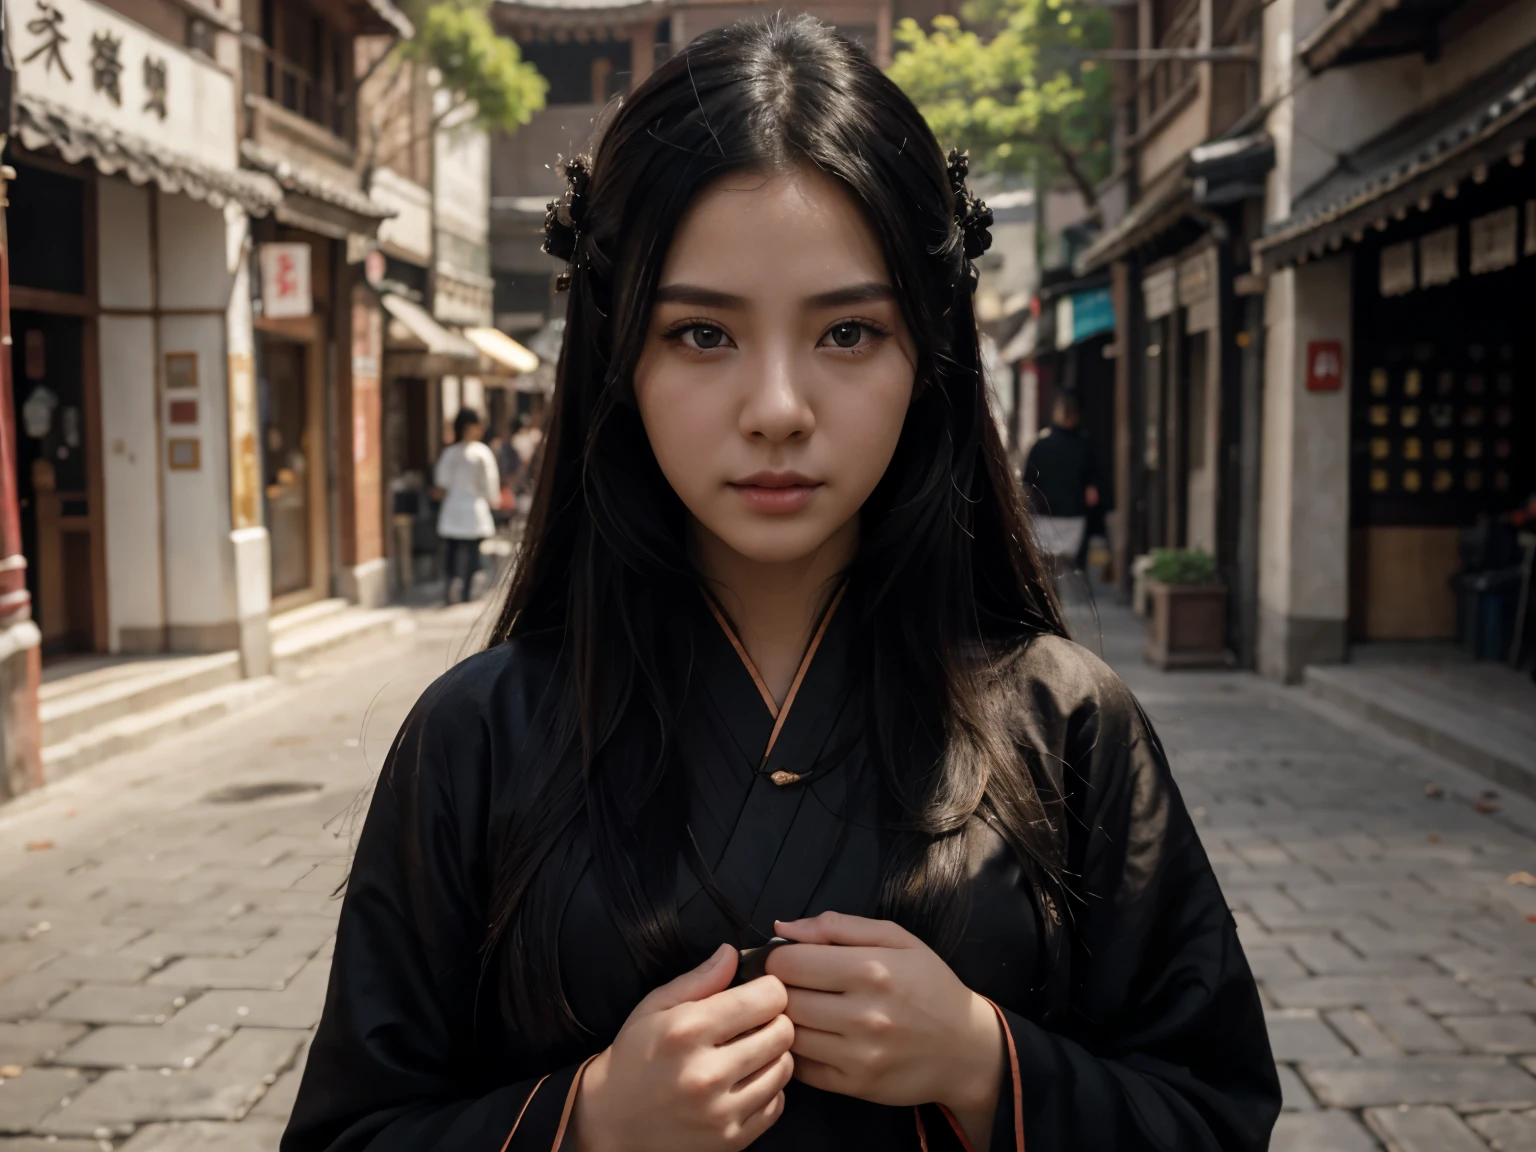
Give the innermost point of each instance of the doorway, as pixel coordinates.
(288, 463)
(53, 477)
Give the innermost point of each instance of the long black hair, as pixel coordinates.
(945, 576)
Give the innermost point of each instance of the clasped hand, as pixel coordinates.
(858, 1007)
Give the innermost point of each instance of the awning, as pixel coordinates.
(42, 124)
(1480, 125)
(1159, 208)
(1082, 315)
(1359, 30)
(417, 345)
(503, 351)
(314, 200)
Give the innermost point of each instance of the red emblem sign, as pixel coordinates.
(1325, 365)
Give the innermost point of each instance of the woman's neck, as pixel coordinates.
(774, 606)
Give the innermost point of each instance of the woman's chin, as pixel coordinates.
(784, 540)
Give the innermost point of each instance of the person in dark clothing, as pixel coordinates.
(1061, 481)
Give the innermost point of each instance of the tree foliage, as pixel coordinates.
(1011, 80)
(479, 68)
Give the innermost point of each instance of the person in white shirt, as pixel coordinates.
(470, 484)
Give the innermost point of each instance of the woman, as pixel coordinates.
(468, 479)
(779, 659)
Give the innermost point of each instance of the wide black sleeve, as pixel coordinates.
(396, 1065)
(1162, 1043)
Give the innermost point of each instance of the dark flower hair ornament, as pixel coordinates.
(565, 218)
(972, 215)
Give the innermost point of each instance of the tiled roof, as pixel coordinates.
(40, 124)
(305, 182)
(1476, 126)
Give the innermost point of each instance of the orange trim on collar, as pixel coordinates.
(805, 664)
(570, 1103)
(730, 634)
(521, 1111)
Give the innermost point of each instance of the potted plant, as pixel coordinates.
(1187, 621)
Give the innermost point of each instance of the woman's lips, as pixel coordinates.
(776, 492)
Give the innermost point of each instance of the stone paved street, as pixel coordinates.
(166, 918)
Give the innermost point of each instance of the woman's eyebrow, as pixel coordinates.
(866, 293)
(698, 297)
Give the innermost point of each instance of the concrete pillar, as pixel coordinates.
(21, 764)
(642, 54)
(1304, 475)
(884, 40)
(363, 576)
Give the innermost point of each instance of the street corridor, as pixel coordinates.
(166, 917)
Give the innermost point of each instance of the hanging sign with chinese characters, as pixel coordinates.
(285, 290)
(83, 58)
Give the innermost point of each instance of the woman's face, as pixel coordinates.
(777, 369)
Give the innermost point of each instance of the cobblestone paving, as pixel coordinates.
(166, 919)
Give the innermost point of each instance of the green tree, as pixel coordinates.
(1013, 81)
(489, 84)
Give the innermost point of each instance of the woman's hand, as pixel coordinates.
(697, 1067)
(879, 1016)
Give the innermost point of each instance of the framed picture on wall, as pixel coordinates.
(180, 370)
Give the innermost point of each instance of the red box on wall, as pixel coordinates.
(1325, 365)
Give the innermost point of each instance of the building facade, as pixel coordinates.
(1399, 252)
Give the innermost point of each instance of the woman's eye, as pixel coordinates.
(703, 337)
(846, 335)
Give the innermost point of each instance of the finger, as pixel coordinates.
(736, 1010)
(755, 1091)
(710, 977)
(824, 1011)
(840, 928)
(765, 1118)
(824, 1076)
(740, 1058)
(828, 967)
(823, 1048)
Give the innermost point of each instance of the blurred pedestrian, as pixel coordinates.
(1062, 481)
(470, 484)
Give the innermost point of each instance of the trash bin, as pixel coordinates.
(1485, 611)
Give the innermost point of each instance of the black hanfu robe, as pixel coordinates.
(1146, 1033)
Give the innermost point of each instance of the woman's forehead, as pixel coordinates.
(750, 234)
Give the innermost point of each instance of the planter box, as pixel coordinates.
(1186, 625)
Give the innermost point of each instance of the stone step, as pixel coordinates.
(295, 646)
(143, 727)
(72, 705)
(296, 618)
(1473, 737)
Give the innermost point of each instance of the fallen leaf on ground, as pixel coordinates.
(1433, 837)
(39, 845)
(1521, 878)
(1487, 803)
(1433, 791)
(10, 1071)
(1530, 917)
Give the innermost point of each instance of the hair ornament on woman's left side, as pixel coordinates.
(971, 214)
(564, 220)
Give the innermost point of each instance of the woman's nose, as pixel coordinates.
(776, 407)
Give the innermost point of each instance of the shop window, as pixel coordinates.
(301, 64)
(47, 234)
(581, 73)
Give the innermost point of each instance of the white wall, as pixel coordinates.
(195, 273)
(1304, 471)
(1342, 108)
(130, 447)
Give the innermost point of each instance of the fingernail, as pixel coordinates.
(719, 957)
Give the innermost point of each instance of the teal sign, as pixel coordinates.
(1092, 312)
